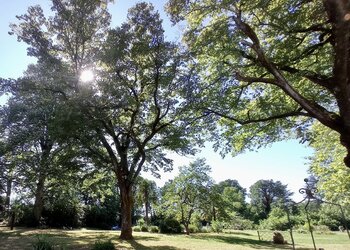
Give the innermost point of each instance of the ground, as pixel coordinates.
(22, 239)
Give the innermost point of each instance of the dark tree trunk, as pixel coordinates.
(126, 208)
(8, 193)
(187, 228)
(147, 212)
(39, 199)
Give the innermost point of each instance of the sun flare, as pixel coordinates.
(87, 75)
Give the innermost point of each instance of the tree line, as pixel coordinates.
(230, 81)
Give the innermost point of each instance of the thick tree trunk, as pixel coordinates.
(39, 199)
(126, 208)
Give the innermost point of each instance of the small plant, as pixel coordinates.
(43, 243)
(153, 229)
(136, 229)
(103, 245)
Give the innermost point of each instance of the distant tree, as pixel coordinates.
(264, 193)
(146, 195)
(227, 199)
(188, 193)
(268, 67)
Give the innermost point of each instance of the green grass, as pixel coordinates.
(22, 239)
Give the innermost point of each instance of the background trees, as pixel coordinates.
(259, 93)
(264, 193)
(188, 193)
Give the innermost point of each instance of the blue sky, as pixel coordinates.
(283, 161)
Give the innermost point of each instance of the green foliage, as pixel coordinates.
(169, 225)
(217, 226)
(43, 242)
(153, 229)
(239, 223)
(144, 228)
(187, 195)
(265, 193)
(136, 229)
(103, 245)
(328, 167)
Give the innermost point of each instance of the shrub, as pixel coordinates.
(153, 229)
(239, 223)
(322, 229)
(136, 229)
(43, 243)
(193, 228)
(103, 245)
(170, 226)
(217, 226)
(144, 228)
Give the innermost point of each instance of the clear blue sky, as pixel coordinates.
(284, 161)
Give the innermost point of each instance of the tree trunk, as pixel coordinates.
(126, 207)
(8, 193)
(187, 228)
(146, 211)
(214, 213)
(39, 199)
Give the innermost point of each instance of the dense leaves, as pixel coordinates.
(267, 67)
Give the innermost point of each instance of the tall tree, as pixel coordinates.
(271, 66)
(135, 107)
(264, 193)
(188, 193)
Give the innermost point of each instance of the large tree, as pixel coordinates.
(135, 107)
(264, 193)
(276, 65)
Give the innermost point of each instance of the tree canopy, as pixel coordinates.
(268, 67)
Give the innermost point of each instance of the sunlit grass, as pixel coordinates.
(239, 240)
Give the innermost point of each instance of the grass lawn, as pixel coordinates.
(84, 239)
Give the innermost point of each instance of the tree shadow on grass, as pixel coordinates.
(139, 246)
(252, 243)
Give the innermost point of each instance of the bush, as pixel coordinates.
(103, 245)
(217, 226)
(193, 228)
(171, 226)
(322, 229)
(43, 243)
(239, 223)
(144, 228)
(153, 229)
(136, 229)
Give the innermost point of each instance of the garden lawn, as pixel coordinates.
(22, 239)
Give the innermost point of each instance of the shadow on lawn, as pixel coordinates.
(252, 243)
(139, 246)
